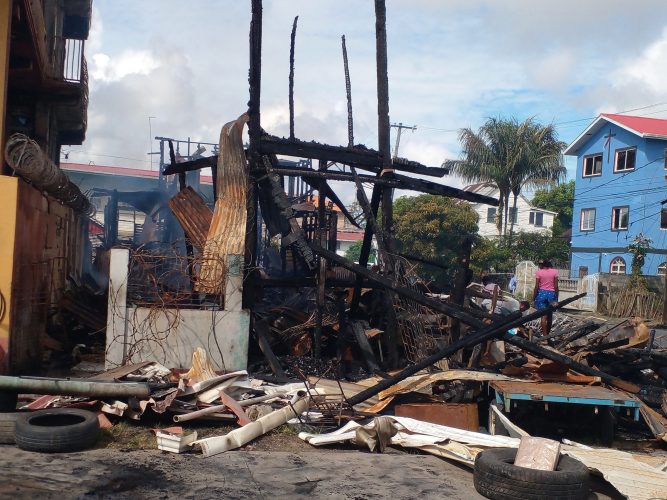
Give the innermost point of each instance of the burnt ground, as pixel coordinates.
(151, 474)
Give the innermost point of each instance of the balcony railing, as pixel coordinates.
(73, 63)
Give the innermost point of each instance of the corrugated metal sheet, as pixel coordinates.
(193, 214)
(226, 236)
(634, 479)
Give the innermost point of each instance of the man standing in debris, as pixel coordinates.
(546, 292)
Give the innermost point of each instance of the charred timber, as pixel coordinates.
(358, 156)
(441, 307)
(400, 164)
(470, 340)
(397, 181)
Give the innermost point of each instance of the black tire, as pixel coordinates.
(8, 401)
(7, 426)
(57, 430)
(497, 477)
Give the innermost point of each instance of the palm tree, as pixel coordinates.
(487, 156)
(510, 155)
(541, 161)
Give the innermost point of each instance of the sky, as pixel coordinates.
(179, 69)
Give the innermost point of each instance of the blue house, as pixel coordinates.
(619, 187)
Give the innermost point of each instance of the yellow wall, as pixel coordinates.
(5, 32)
(8, 210)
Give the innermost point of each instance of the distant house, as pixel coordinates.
(619, 187)
(347, 234)
(527, 218)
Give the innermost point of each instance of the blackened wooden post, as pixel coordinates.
(254, 158)
(291, 79)
(384, 128)
(348, 93)
(321, 275)
(384, 148)
(460, 283)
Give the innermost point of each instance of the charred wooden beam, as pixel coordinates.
(398, 181)
(365, 248)
(470, 340)
(441, 307)
(253, 154)
(400, 164)
(189, 166)
(358, 156)
(311, 282)
(348, 94)
(553, 355)
(291, 78)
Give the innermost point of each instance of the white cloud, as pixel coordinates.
(130, 62)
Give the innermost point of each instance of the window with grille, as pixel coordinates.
(617, 266)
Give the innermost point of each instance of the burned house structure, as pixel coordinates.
(262, 265)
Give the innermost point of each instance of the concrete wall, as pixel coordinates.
(642, 190)
(170, 335)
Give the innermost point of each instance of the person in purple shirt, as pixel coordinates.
(546, 292)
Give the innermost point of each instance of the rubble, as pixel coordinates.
(282, 329)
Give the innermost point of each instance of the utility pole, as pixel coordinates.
(400, 128)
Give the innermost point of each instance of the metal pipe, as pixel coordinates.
(199, 413)
(76, 387)
(220, 408)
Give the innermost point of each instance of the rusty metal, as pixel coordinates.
(193, 214)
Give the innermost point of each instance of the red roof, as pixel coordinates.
(647, 128)
(350, 235)
(125, 171)
(641, 125)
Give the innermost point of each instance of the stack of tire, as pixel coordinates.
(51, 431)
(496, 477)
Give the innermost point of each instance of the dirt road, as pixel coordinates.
(108, 473)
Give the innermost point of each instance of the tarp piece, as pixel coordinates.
(226, 236)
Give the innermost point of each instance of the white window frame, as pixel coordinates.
(491, 219)
(532, 218)
(619, 226)
(592, 159)
(616, 159)
(582, 219)
(617, 266)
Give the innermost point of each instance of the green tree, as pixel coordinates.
(433, 228)
(354, 251)
(510, 155)
(559, 199)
